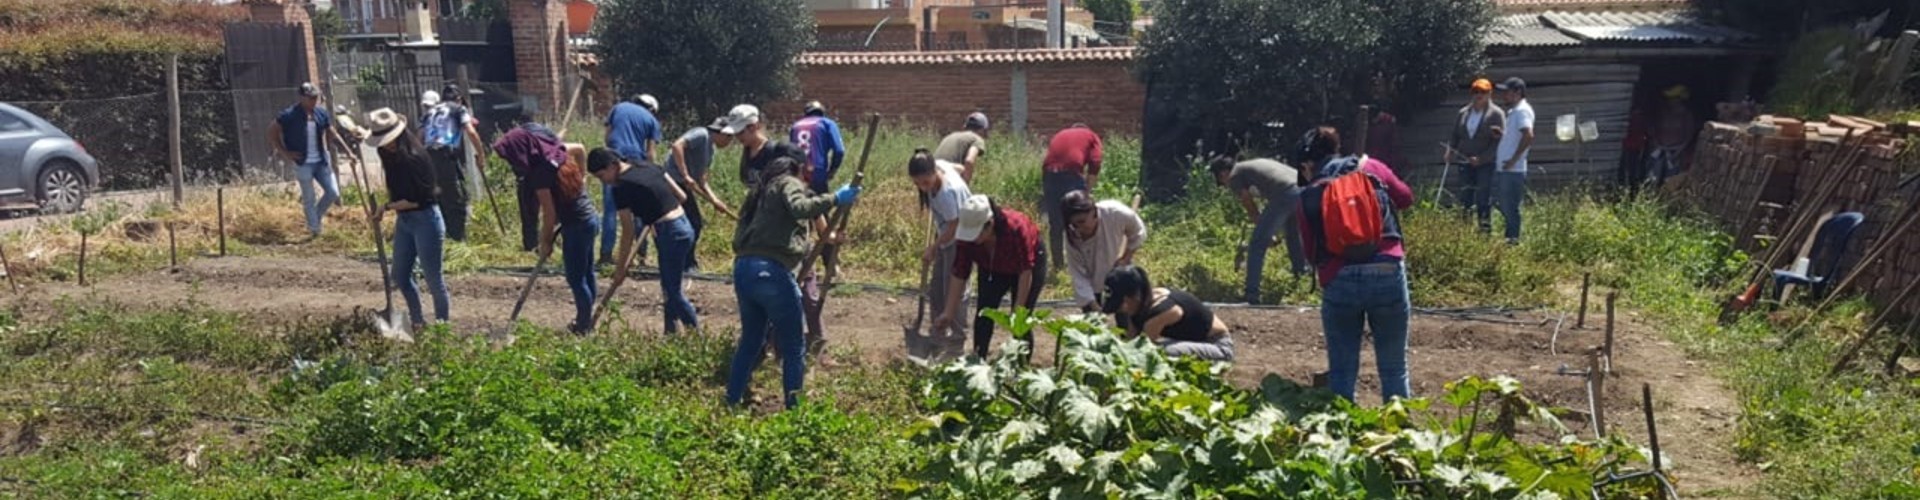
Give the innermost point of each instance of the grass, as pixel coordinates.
(120, 397)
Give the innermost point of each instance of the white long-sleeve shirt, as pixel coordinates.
(1089, 260)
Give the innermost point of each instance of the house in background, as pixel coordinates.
(912, 25)
(1603, 60)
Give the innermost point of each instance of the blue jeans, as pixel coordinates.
(610, 219)
(1511, 187)
(421, 235)
(1053, 186)
(321, 173)
(675, 238)
(576, 255)
(1277, 217)
(1363, 296)
(769, 303)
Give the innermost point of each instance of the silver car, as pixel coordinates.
(42, 167)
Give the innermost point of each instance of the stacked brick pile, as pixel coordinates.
(1730, 177)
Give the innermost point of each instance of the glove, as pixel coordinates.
(846, 195)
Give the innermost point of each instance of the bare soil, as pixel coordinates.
(1695, 412)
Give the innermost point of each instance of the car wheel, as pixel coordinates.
(63, 189)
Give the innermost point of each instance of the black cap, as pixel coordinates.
(1514, 84)
(450, 92)
(308, 90)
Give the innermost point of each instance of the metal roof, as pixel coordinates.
(1663, 26)
(1526, 30)
(968, 56)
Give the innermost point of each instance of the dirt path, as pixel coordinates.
(1695, 412)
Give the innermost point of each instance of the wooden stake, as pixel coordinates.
(173, 128)
(7, 267)
(1608, 348)
(83, 259)
(220, 208)
(1653, 434)
(1586, 282)
(173, 248)
(1597, 388)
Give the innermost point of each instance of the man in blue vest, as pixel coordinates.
(300, 135)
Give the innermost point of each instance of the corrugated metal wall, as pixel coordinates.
(1600, 90)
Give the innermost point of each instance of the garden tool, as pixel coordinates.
(388, 321)
(920, 309)
(539, 266)
(607, 298)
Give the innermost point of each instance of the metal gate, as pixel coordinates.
(266, 63)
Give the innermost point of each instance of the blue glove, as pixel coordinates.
(846, 195)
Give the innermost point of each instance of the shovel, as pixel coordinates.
(539, 266)
(388, 321)
(920, 309)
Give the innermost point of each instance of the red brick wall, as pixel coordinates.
(287, 12)
(540, 50)
(1102, 94)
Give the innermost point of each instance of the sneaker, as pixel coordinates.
(1513, 242)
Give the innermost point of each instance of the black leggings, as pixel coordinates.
(993, 288)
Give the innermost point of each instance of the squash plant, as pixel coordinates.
(1116, 418)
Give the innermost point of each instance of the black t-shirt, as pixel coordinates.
(1196, 320)
(578, 209)
(409, 177)
(645, 191)
(752, 167)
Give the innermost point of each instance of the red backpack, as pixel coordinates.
(1352, 222)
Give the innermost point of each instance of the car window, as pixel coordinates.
(10, 123)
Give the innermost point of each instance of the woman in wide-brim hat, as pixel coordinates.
(420, 234)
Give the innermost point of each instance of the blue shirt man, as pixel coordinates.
(632, 130)
(818, 137)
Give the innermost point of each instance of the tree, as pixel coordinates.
(700, 58)
(1230, 65)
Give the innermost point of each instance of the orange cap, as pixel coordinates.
(1482, 85)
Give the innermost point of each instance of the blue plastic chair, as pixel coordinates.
(1829, 245)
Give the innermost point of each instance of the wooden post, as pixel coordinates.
(1586, 282)
(1596, 389)
(83, 259)
(173, 128)
(173, 248)
(1608, 348)
(1653, 433)
(7, 267)
(220, 207)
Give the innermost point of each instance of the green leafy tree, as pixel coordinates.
(699, 58)
(1232, 64)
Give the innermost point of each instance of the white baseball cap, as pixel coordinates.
(430, 98)
(739, 118)
(650, 102)
(975, 213)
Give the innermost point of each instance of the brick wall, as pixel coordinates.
(294, 13)
(939, 95)
(540, 51)
(1728, 172)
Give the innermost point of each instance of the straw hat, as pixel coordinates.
(386, 125)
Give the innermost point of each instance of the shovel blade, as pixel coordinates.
(388, 325)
